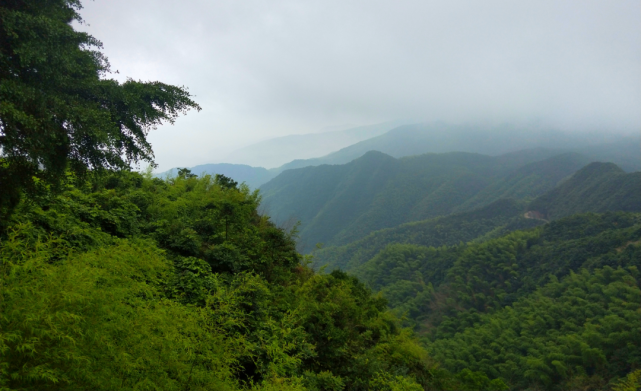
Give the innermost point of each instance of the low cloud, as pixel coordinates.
(265, 69)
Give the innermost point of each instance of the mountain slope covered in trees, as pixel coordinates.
(116, 280)
(340, 204)
(553, 308)
(599, 187)
(130, 282)
(499, 217)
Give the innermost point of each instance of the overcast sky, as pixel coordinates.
(266, 68)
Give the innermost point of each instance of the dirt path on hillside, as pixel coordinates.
(534, 215)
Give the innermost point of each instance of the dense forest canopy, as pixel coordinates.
(130, 281)
(340, 204)
(599, 187)
(455, 271)
(59, 110)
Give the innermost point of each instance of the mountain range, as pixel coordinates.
(596, 188)
(408, 140)
(338, 204)
(416, 139)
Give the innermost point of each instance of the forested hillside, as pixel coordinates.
(129, 282)
(495, 219)
(530, 180)
(599, 187)
(555, 307)
(113, 280)
(457, 271)
(339, 204)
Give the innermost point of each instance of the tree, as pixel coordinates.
(185, 173)
(59, 111)
(225, 182)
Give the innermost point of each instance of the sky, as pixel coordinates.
(261, 69)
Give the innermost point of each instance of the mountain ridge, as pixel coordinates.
(277, 151)
(337, 204)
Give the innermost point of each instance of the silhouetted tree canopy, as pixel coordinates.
(59, 109)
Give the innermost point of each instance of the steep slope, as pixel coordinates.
(598, 187)
(501, 216)
(531, 180)
(280, 150)
(528, 306)
(342, 203)
(327, 197)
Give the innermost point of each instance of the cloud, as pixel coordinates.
(262, 69)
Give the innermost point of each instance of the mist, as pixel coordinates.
(267, 69)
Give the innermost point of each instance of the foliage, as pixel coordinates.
(340, 204)
(99, 320)
(582, 331)
(132, 282)
(598, 187)
(629, 383)
(481, 306)
(496, 219)
(118, 280)
(58, 109)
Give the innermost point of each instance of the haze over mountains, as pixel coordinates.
(337, 204)
(277, 151)
(597, 188)
(502, 248)
(407, 140)
(417, 139)
(496, 251)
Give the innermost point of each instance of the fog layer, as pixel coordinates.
(266, 69)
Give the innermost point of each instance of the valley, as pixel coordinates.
(479, 231)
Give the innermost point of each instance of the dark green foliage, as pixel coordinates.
(225, 182)
(352, 332)
(58, 111)
(531, 180)
(206, 218)
(340, 204)
(575, 334)
(181, 284)
(495, 219)
(598, 187)
(481, 277)
(480, 306)
(186, 173)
